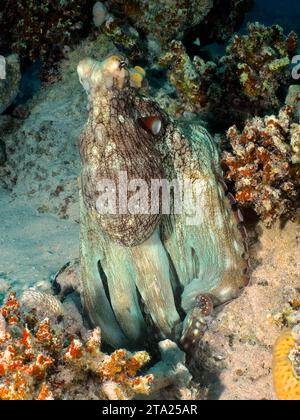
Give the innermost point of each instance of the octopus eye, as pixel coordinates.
(152, 124)
(122, 64)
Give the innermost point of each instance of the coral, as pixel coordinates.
(42, 29)
(171, 370)
(248, 79)
(45, 304)
(163, 21)
(223, 20)
(295, 143)
(160, 19)
(125, 38)
(261, 165)
(9, 85)
(286, 364)
(167, 262)
(184, 76)
(137, 77)
(263, 58)
(38, 360)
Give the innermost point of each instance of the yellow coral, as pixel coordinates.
(287, 385)
(137, 76)
(136, 79)
(140, 70)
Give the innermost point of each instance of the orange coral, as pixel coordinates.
(34, 354)
(286, 382)
(122, 367)
(45, 393)
(10, 310)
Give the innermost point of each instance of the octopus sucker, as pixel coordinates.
(163, 271)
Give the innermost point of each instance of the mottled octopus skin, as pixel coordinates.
(114, 142)
(153, 262)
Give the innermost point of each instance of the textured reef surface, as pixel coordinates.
(9, 81)
(247, 81)
(264, 165)
(30, 348)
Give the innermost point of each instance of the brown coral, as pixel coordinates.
(262, 167)
(42, 29)
(124, 37)
(160, 19)
(249, 79)
(167, 20)
(184, 76)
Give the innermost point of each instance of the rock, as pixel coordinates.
(9, 85)
(6, 124)
(293, 99)
(2, 152)
(171, 370)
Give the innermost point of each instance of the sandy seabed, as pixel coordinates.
(240, 338)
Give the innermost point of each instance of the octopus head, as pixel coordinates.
(112, 72)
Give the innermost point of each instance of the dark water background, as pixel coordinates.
(285, 13)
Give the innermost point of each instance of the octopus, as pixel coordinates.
(148, 275)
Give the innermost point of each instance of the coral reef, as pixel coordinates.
(183, 75)
(222, 21)
(44, 303)
(9, 84)
(263, 165)
(207, 254)
(293, 99)
(163, 21)
(125, 38)
(286, 363)
(38, 360)
(249, 78)
(160, 19)
(41, 359)
(42, 29)
(263, 58)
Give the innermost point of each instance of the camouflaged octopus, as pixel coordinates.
(146, 276)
